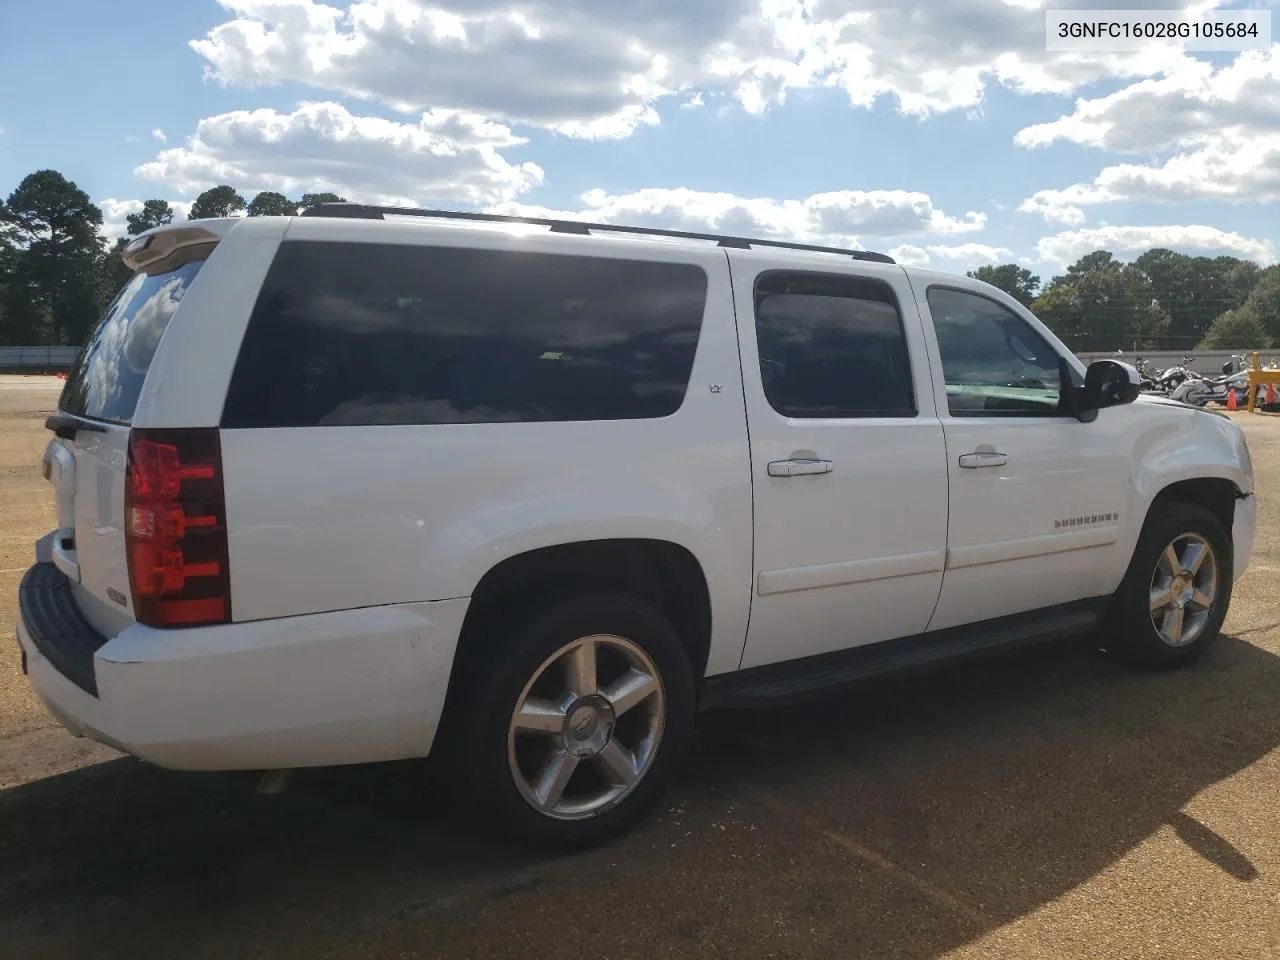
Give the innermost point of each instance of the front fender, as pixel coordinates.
(1189, 444)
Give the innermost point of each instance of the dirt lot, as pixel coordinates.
(1047, 805)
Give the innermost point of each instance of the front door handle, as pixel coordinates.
(984, 456)
(797, 468)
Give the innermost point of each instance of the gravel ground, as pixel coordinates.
(1049, 804)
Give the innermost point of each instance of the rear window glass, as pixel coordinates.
(359, 334)
(109, 372)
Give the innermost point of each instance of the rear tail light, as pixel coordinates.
(176, 528)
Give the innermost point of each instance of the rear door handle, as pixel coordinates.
(984, 456)
(796, 468)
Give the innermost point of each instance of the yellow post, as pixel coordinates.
(1253, 388)
(1259, 377)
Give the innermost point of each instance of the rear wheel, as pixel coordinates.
(1175, 595)
(572, 728)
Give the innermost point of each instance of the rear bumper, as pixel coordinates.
(353, 686)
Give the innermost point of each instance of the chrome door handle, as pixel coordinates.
(983, 457)
(796, 468)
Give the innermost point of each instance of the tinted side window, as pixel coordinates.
(362, 334)
(110, 370)
(832, 346)
(992, 360)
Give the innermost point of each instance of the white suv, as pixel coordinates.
(370, 483)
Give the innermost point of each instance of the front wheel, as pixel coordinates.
(572, 729)
(1175, 595)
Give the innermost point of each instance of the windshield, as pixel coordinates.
(111, 368)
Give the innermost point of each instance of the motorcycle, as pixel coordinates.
(1173, 377)
(1199, 391)
(1148, 382)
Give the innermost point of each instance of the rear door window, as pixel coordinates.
(361, 334)
(832, 345)
(109, 373)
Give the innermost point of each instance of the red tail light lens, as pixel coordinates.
(176, 528)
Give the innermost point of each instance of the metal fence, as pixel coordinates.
(1208, 362)
(37, 359)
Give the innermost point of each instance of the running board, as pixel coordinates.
(777, 683)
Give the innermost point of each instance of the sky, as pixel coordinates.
(939, 131)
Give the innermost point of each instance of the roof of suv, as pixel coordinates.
(358, 211)
(339, 216)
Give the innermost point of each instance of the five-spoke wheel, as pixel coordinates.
(568, 726)
(1183, 589)
(1172, 601)
(586, 727)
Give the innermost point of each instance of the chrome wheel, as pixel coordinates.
(586, 727)
(1183, 590)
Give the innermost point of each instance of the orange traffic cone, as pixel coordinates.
(1271, 393)
(1231, 400)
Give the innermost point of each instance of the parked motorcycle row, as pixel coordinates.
(1180, 382)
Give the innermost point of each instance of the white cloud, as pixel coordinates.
(838, 218)
(158, 134)
(956, 258)
(1195, 239)
(1196, 101)
(130, 138)
(910, 255)
(1220, 128)
(115, 212)
(600, 68)
(446, 156)
(1230, 167)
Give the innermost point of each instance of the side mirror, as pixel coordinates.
(1228, 367)
(1108, 383)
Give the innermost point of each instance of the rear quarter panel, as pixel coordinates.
(338, 517)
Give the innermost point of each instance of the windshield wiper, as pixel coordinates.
(65, 426)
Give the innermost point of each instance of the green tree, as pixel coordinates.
(1058, 307)
(8, 263)
(1242, 277)
(1239, 329)
(1194, 290)
(112, 270)
(219, 201)
(1102, 303)
(271, 204)
(1092, 262)
(56, 230)
(154, 213)
(309, 200)
(1264, 301)
(1019, 282)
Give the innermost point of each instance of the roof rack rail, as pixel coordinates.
(364, 211)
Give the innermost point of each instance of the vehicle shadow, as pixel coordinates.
(906, 818)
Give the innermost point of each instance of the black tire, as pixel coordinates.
(516, 646)
(1130, 629)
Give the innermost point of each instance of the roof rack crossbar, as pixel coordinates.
(364, 211)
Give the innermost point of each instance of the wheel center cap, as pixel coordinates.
(583, 722)
(588, 726)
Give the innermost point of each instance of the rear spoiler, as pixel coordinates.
(151, 248)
